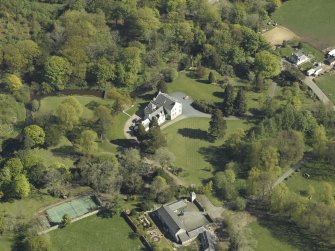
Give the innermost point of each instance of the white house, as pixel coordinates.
(332, 53)
(310, 72)
(163, 107)
(298, 58)
(318, 70)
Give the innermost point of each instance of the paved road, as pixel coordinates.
(288, 173)
(213, 211)
(318, 92)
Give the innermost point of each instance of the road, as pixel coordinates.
(317, 91)
(288, 173)
(188, 112)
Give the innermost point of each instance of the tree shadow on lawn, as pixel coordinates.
(289, 233)
(219, 94)
(203, 81)
(215, 156)
(65, 151)
(195, 134)
(125, 143)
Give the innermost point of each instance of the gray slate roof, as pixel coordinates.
(161, 100)
(170, 218)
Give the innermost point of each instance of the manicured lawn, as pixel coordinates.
(318, 171)
(201, 90)
(195, 89)
(49, 105)
(95, 233)
(266, 241)
(22, 211)
(188, 140)
(312, 20)
(327, 85)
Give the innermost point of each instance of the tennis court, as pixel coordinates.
(74, 208)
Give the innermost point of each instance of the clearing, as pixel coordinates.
(96, 233)
(314, 22)
(266, 240)
(189, 141)
(48, 105)
(327, 85)
(277, 35)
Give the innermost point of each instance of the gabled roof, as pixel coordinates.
(161, 100)
(164, 100)
(170, 218)
(206, 241)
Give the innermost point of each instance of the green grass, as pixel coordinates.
(49, 105)
(327, 85)
(188, 140)
(195, 89)
(318, 171)
(23, 210)
(266, 241)
(95, 233)
(49, 158)
(312, 20)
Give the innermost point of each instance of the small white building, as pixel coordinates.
(298, 58)
(310, 72)
(332, 53)
(163, 107)
(318, 70)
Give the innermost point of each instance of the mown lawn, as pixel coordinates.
(48, 105)
(327, 85)
(312, 20)
(319, 172)
(23, 210)
(196, 89)
(188, 140)
(266, 241)
(95, 233)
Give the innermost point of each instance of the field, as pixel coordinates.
(23, 211)
(313, 23)
(188, 140)
(266, 240)
(327, 85)
(277, 35)
(95, 233)
(201, 90)
(49, 105)
(195, 89)
(318, 172)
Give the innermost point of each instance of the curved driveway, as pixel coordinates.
(188, 112)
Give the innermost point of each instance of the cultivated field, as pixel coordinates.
(312, 20)
(277, 35)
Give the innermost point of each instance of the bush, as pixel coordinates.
(170, 75)
(240, 204)
(66, 220)
(200, 72)
(35, 105)
(203, 106)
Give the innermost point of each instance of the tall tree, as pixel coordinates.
(267, 64)
(240, 103)
(228, 102)
(217, 125)
(87, 142)
(35, 133)
(57, 71)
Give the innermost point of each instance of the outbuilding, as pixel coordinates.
(332, 53)
(310, 72)
(331, 61)
(317, 70)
